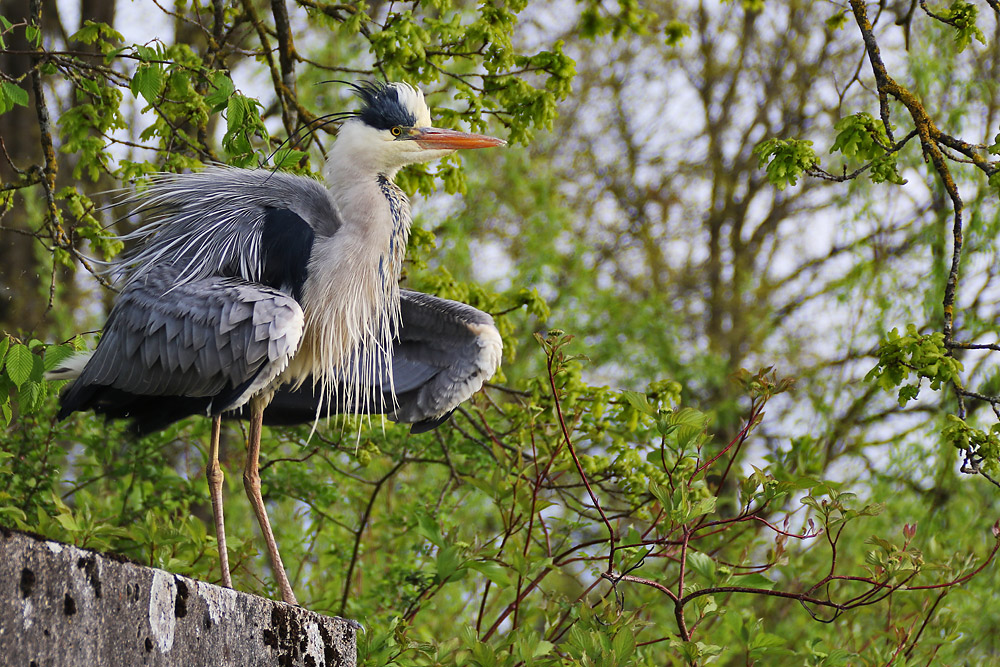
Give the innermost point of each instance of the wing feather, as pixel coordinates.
(132, 341)
(458, 340)
(198, 339)
(212, 223)
(445, 352)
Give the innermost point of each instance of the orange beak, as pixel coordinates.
(438, 139)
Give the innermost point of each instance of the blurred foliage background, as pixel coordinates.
(743, 256)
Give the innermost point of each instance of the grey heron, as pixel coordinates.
(253, 286)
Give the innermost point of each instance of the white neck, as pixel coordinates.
(351, 299)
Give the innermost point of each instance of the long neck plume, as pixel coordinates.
(351, 299)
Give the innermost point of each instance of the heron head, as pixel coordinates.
(393, 128)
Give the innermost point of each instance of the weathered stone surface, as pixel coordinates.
(61, 606)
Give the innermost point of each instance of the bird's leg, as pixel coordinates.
(251, 482)
(215, 479)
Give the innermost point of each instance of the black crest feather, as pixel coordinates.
(381, 106)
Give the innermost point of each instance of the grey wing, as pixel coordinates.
(207, 345)
(445, 352)
(212, 222)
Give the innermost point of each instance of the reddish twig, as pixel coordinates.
(576, 461)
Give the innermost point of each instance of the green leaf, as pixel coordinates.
(837, 20)
(542, 648)
(786, 160)
(837, 657)
(703, 506)
(287, 158)
(147, 81)
(222, 89)
(34, 35)
(12, 94)
(37, 369)
(448, 563)
(754, 580)
(765, 640)
(427, 526)
(675, 32)
(14, 516)
(624, 643)
(19, 363)
(15, 93)
(962, 16)
(55, 355)
(236, 110)
(690, 423)
(702, 564)
(243, 122)
(31, 394)
(68, 522)
(638, 401)
(492, 570)
(93, 31)
(663, 495)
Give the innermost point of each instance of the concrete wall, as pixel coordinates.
(64, 606)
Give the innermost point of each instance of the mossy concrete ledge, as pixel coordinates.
(61, 606)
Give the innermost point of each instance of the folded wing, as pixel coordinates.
(168, 351)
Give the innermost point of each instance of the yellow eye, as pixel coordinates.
(396, 131)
